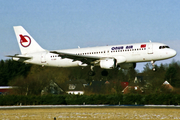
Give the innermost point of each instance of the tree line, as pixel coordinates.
(113, 99)
(31, 79)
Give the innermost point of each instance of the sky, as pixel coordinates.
(65, 24)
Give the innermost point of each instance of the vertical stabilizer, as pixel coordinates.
(26, 43)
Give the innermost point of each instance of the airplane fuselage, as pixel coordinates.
(128, 53)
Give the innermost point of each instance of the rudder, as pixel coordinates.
(26, 43)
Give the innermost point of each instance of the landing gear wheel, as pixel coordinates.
(152, 62)
(154, 69)
(91, 73)
(104, 73)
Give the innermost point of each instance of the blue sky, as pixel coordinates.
(64, 24)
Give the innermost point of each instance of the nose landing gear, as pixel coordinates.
(152, 62)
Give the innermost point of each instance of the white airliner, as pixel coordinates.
(107, 57)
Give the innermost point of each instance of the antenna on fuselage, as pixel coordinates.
(150, 41)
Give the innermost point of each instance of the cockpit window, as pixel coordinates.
(162, 47)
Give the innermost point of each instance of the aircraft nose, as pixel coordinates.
(172, 53)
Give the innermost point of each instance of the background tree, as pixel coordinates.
(172, 75)
(38, 78)
(10, 69)
(31, 79)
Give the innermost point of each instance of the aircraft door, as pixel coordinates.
(150, 48)
(43, 57)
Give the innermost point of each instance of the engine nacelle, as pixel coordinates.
(108, 63)
(15, 58)
(82, 64)
(128, 65)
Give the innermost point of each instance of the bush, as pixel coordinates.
(114, 99)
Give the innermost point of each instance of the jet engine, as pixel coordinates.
(127, 65)
(108, 63)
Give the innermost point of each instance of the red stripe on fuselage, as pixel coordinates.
(143, 45)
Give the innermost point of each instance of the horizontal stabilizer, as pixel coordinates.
(19, 56)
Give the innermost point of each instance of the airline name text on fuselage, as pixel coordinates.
(122, 47)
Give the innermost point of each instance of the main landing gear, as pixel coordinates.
(92, 73)
(104, 73)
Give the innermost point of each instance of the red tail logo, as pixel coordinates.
(25, 40)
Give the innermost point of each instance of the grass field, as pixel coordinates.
(90, 114)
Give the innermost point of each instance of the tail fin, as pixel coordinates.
(26, 43)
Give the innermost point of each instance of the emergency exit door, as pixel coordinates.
(150, 48)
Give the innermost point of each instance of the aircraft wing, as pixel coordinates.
(83, 58)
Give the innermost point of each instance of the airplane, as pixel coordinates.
(107, 57)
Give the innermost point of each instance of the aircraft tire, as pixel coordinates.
(91, 73)
(104, 73)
